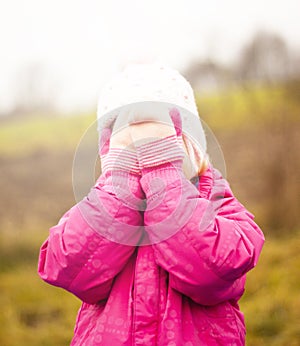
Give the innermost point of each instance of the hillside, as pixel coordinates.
(257, 129)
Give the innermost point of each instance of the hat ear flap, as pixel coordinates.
(105, 135)
(176, 119)
(104, 141)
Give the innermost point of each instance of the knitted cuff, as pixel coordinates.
(160, 151)
(120, 159)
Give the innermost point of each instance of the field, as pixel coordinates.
(258, 132)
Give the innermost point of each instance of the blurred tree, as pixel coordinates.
(295, 66)
(264, 58)
(208, 75)
(34, 91)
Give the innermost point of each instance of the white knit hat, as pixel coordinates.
(155, 82)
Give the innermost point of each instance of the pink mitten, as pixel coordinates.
(163, 150)
(114, 158)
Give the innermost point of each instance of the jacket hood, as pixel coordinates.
(155, 82)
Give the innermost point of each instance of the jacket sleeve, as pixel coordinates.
(204, 238)
(93, 241)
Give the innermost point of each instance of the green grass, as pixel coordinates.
(40, 133)
(272, 300)
(237, 108)
(32, 312)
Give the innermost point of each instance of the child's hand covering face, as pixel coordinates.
(138, 124)
(121, 139)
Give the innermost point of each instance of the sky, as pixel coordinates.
(79, 44)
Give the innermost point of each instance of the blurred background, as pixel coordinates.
(243, 61)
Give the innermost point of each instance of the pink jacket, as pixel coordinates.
(182, 290)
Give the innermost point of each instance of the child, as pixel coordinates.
(159, 249)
